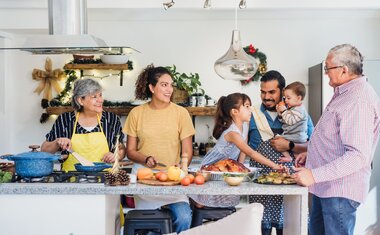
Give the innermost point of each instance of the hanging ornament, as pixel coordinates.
(235, 64)
(48, 79)
(261, 59)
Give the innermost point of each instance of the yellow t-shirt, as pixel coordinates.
(160, 132)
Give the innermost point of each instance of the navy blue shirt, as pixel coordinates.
(64, 125)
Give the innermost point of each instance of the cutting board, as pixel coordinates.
(158, 183)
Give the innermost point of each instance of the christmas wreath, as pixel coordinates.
(262, 68)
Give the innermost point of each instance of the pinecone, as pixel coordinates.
(111, 179)
(123, 177)
(120, 178)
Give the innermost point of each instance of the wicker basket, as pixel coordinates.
(180, 96)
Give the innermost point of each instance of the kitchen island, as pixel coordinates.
(92, 208)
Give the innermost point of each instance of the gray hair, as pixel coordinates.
(348, 55)
(83, 87)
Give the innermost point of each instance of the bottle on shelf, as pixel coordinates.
(195, 149)
(202, 149)
(209, 146)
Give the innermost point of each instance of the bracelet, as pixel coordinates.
(147, 158)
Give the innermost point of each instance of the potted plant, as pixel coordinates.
(185, 85)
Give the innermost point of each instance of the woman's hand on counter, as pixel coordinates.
(108, 157)
(150, 162)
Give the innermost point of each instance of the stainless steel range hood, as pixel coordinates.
(67, 32)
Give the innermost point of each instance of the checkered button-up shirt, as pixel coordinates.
(344, 141)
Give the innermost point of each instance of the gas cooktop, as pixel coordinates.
(64, 177)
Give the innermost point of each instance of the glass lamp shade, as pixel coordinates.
(236, 64)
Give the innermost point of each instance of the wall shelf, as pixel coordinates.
(124, 110)
(97, 66)
(82, 67)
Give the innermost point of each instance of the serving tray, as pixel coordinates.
(256, 181)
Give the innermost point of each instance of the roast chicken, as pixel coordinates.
(227, 165)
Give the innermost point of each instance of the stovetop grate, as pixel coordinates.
(64, 177)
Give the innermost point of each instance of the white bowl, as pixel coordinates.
(114, 59)
(233, 180)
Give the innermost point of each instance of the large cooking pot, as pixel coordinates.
(34, 163)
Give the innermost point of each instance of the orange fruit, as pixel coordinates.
(163, 177)
(158, 174)
(191, 177)
(199, 179)
(185, 181)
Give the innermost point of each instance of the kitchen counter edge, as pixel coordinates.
(209, 188)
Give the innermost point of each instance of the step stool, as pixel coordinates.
(157, 220)
(210, 214)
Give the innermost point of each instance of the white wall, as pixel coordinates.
(293, 40)
(192, 40)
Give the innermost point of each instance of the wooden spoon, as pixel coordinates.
(81, 159)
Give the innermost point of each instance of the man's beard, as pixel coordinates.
(269, 108)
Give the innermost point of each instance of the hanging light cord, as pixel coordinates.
(236, 7)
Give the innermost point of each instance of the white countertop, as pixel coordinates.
(209, 188)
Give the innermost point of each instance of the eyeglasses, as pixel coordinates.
(335, 67)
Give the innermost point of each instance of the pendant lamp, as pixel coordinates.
(235, 64)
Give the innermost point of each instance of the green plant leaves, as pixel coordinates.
(188, 82)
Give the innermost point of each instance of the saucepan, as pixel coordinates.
(34, 163)
(98, 166)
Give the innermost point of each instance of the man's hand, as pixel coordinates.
(285, 159)
(303, 176)
(300, 159)
(280, 144)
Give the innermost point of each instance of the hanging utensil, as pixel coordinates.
(80, 158)
(116, 167)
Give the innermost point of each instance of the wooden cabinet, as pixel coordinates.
(124, 110)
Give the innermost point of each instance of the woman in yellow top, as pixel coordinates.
(159, 131)
(88, 130)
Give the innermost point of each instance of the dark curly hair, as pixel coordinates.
(223, 119)
(149, 76)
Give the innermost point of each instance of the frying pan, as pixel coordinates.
(98, 166)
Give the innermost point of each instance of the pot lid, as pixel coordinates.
(34, 156)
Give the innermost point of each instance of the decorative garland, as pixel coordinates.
(64, 98)
(262, 68)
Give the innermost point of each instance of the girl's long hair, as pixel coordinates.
(223, 118)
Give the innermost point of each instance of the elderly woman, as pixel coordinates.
(88, 130)
(159, 132)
